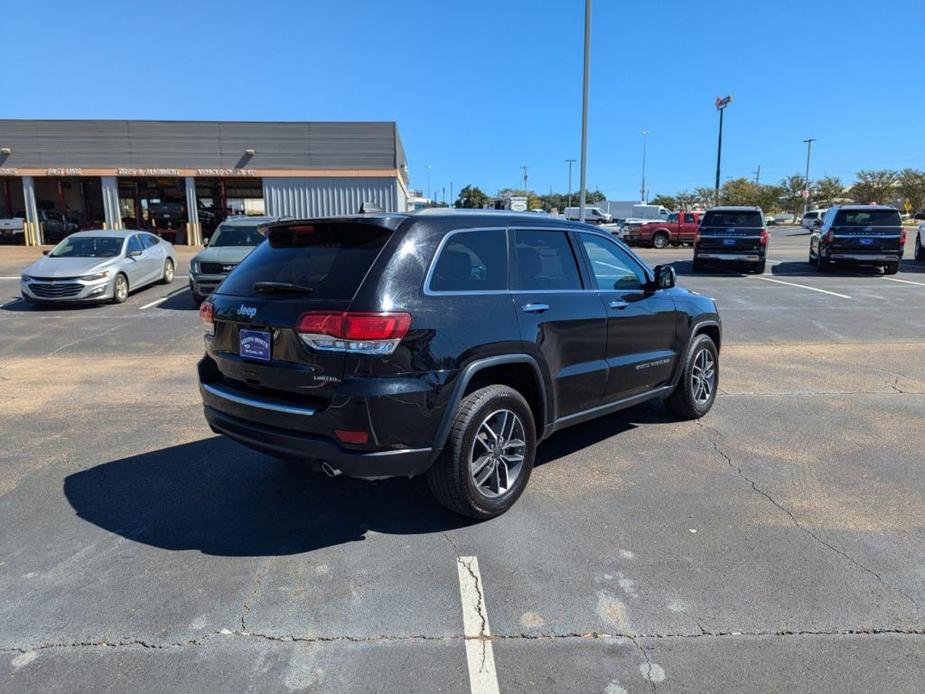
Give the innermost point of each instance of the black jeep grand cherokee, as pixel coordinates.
(447, 344)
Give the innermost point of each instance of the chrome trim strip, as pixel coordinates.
(729, 256)
(873, 257)
(625, 402)
(255, 402)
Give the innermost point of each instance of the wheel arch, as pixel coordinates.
(518, 371)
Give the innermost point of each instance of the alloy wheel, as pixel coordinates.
(703, 376)
(168, 271)
(497, 453)
(121, 288)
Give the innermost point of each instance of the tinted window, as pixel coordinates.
(672, 218)
(688, 218)
(134, 244)
(329, 259)
(149, 241)
(733, 218)
(867, 218)
(611, 266)
(472, 261)
(544, 260)
(237, 235)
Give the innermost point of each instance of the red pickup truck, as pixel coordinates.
(680, 227)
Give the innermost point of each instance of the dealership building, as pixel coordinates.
(180, 178)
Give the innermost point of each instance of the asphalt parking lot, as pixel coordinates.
(775, 545)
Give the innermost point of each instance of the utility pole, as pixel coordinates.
(428, 183)
(452, 199)
(721, 104)
(570, 162)
(642, 190)
(758, 174)
(585, 88)
(524, 167)
(809, 150)
(444, 195)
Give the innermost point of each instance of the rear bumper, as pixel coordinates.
(282, 443)
(870, 258)
(745, 257)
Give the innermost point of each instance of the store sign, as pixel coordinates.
(65, 172)
(147, 172)
(225, 172)
(5, 171)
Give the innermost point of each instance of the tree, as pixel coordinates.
(738, 191)
(704, 196)
(665, 201)
(827, 190)
(792, 188)
(911, 187)
(471, 197)
(534, 201)
(874, 186)
(686, 200)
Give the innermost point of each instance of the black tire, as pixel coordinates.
(919, 250)
(759, 267)
(891, 268)
(660, 240)
(119, 296)
(686, 399)
(449, 478)
(822, 265)
(169, 269)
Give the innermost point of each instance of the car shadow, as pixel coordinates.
(223, 499)
(23, 306)
(685, 268)
(181, 301)
(802, 268)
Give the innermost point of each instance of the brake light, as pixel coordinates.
(902, 236)
(764, 237)
(206, 315)
(345, 331)
(828, 236)
(352, 436)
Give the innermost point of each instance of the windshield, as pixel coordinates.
(237, 235)
(88, 247)
(867, 218)
(327, 259)
(733, 218)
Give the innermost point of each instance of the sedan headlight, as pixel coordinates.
(96, 276)
(26, 278)
(194, 266)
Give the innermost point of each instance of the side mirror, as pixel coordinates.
(134, 254)
(665, 277)
(817, 223)
(205, 240)
(45, 252)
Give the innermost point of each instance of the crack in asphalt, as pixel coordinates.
(738, 470)
(648, 662)
(483, 636)
(130, 643)
(249, 599)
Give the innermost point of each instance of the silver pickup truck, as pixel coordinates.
(12, 229)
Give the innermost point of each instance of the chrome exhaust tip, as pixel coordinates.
(328, 469)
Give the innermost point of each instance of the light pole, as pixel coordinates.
(809, 150)
(642, 190)
(584, 112)
(428, 182)
(452, 199)
(524, 167)
(570, 162)
(721, 104)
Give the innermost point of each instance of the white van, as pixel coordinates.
(593, 215)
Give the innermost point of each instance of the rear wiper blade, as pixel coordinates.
(282, 287)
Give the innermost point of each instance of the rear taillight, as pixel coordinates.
(828, 236)
(764, 237)
(697, 235)
(206, 315)
(902, 236)
(345, 331)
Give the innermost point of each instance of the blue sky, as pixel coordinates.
(481, 88)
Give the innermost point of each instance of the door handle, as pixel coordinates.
(534, 308)
(618, 304)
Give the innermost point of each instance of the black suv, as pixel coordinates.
(445, 343)
(732, 235)
(858, 235)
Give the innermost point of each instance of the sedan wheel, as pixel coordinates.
(168, 272)
(119, 289)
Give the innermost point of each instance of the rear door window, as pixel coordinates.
(543, 260)
(325, 260)
(867, 218)
(472, 261)
(733, 218)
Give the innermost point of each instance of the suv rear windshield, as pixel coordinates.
(867, 218)
(326, 260)
(733, 218)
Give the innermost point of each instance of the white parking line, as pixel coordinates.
(157, 302)
(11, 277)
(801, 286)
(483, 679)
(894, 279)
